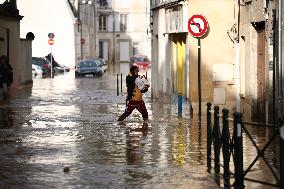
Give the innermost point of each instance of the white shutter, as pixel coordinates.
(109, 3)
(124, 51)
(129, 26)
(109, 23)
(117, 22)
(105, 50)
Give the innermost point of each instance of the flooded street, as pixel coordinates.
(63, 133)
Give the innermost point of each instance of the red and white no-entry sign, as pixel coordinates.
(83, 41)
(50, 41)
(197, 25)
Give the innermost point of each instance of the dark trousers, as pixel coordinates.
(132, 104)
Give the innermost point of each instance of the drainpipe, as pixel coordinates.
(113, 37)
(80, 28)
(280, 93)
(95, 28)
(237, 54)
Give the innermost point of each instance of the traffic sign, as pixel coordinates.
(82, 41)
(197, 25)
(50, 41)
(51, 35)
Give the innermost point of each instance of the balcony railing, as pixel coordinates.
(156, 4)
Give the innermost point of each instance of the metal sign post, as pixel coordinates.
(51, 42)
(197, 27)
(51, 72)
(199, 77)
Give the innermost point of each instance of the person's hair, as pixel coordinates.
(132, 69)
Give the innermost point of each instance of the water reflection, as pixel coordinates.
(135, 152)
(134, 144)
(260, 171)
(6, 118)
(179, 144)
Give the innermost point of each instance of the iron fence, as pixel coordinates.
(232, 148)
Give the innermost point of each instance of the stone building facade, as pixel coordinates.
(241, 55)
(123, 29)
(17, 50)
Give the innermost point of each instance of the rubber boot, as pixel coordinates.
(122, 117)
(145, 119)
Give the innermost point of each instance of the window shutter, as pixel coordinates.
(110, 23)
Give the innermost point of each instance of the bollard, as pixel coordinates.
(216, 139)
(209, 137)
(121, 83)
(281, 132)
(238, 151)
(117, 85)
(191, 110)
(226, 147)
(179, 104)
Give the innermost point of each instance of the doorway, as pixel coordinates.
(260, 102)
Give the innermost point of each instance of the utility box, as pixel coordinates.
(219, 96)
(222, 72)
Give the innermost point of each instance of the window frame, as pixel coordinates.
(102, 22)
(123, 22)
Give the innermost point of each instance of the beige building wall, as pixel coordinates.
(217, 55)
(161, 59)
(169, 76)
(26, 61)
(257, 59)
(233, 73)
(14, 50)
(17, 50)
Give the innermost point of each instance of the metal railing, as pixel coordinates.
(232, 147)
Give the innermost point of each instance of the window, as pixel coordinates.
(174, 19)
(102, 22)
(135, 43)
(103, 3)
(123, 22)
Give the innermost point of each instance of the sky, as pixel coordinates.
(44, 17)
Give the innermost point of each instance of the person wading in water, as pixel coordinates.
(134, 95)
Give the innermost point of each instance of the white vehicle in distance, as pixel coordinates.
(37, 70)
(103, 64)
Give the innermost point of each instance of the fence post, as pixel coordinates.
(117, 83)
(216, 140)
(121, 83)
(238, 151)
(226, 147)
(209, 137)
(281, 132)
